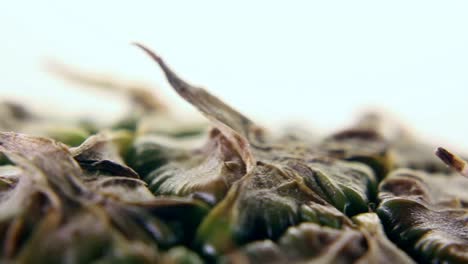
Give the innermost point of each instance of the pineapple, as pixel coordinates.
(150, 189)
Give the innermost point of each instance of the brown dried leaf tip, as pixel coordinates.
(139, 93)
(237, 128)
(452, 160)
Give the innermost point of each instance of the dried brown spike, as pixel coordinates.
(452, 160)
(235, 126)
(207, 103)
(139, 93)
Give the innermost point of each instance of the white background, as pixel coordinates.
(314, 62)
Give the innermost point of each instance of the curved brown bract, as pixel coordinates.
(236, 127)
(207, 172)
(103, 153)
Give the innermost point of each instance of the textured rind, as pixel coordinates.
(430, 222)
(152, 188)
(54, 213)
(312, 243)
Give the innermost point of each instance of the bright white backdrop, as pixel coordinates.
(314, 61)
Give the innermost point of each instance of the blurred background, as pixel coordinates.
(317, 63)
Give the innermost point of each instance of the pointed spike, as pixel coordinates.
(207, 103)
(141, 94)
(177, 83)
(453, 161)
(236, 127)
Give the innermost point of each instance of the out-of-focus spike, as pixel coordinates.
(453, 161)
(139, 93)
